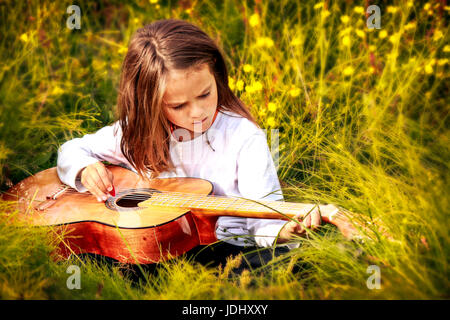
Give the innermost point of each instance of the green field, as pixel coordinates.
(362, 116)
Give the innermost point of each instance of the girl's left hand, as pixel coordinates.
(293, 228)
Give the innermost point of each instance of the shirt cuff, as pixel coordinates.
(266, 235)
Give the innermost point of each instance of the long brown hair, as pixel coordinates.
(154, 50)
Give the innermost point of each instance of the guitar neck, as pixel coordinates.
(230, 206)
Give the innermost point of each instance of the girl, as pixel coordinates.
(179, 118)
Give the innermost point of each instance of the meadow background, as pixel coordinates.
(362, 116)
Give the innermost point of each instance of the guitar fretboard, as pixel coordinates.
(224, 204)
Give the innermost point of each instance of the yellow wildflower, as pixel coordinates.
(426, 6)
(446, 48)
(429, 68)
(345, 31)
(318, 5)
(360, 33)
(346, 41)
(272, 106)
(372, 48)
(254, 20)
(325, 14)
(24, 37)
(410, 25)
(383, 34)
(271, 122)
(296, 41)
(240, 85)
(442, 62)
(437, 35)
(410, 4)
(153, 1)
(249, 89)
(447, 8)
(264, 42)
(56, 91)
(257, 86)
(294, 92)
(115, 65)
(122, 50)
(248, 68)
(262, 112)
(391, 9)
(231, 83)
(372, 70)
(358, 9)
(348, 71)
(345, 19)
(394, 38)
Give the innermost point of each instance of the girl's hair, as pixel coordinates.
(154, 50)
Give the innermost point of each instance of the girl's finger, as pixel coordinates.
(316, 220)
(299, 229)
(307, 221)
(105, 177)
(93, 188)
(98, 179)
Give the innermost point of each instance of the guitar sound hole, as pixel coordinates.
(132, 200)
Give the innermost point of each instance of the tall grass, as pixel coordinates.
(362, 116)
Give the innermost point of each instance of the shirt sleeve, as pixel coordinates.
(78, 153)
(257, 180)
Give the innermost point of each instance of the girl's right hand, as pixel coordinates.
(98, 180)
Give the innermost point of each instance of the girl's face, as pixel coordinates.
(191, 99)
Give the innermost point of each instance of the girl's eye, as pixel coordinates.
(182, 105)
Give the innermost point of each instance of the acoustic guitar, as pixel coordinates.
(147, 221)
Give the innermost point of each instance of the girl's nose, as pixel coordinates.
(196, 112)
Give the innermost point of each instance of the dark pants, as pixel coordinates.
(253, 258)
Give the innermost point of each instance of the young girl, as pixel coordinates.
(179, 118)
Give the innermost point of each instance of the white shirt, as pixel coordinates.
(237, 162)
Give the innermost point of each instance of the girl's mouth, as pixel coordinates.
(201, 121)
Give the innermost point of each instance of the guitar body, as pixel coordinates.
(118, 228)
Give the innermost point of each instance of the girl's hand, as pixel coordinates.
(293, 228)
(98, 180)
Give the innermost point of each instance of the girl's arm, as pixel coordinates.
(78, 153)
(257, 179)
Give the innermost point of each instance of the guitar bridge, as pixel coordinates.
(55, 195)
(51, 198)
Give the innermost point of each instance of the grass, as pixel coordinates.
(362, 116)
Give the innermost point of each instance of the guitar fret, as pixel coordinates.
(176, 199)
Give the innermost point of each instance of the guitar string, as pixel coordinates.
(170, 197)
